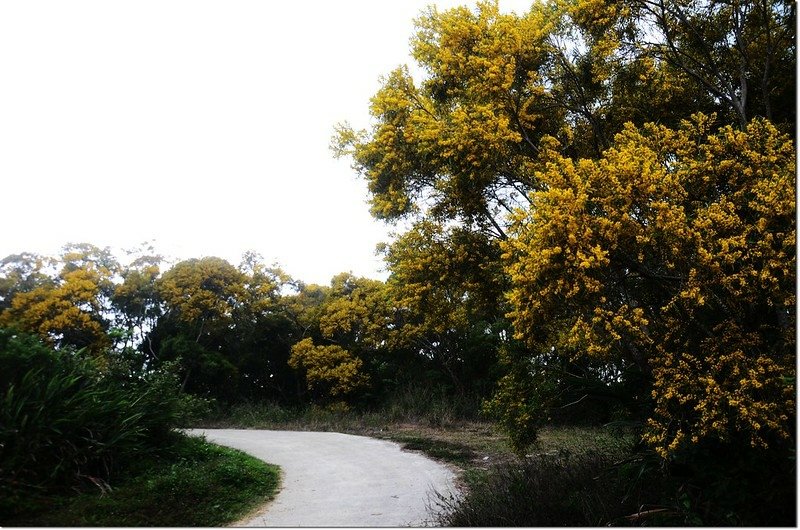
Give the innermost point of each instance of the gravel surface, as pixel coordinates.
(334, 479)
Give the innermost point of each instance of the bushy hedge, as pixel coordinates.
(718, 486)
(68, 419)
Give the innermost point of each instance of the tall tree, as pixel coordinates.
(200, 296)
(463, 144)
(22, 273)
(673, 255)
(263, 332)
(447, 288)
(74, 306)
(344, 329)
(136, 299)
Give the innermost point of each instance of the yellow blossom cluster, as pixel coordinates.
(330, 370)
(674, 252)
(71, 307)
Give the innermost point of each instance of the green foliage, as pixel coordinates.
(193, 483)
(446, 286)
(331, 372)
(227, 327)
(520, 403)
(68, 308)
(136, 299)
(64, 421)
(742, 54)
(674, 254)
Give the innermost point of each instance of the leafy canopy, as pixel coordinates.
(675, 253)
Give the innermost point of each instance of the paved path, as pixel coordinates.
(333, 479)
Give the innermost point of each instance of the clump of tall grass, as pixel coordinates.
(579, 476)
(191, 483)
(417, 404)
(562, 489)
(432, 405)
(67, 419)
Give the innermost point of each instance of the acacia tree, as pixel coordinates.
(200, 296)
(344, 329)
(459, 151)
(673, 254)
(331, 373)
(22, 273)
(72, 307)
(446, 286)
(463, 144)
(516, 120)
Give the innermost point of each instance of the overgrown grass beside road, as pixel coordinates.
(572, 476)
(193, 484)
(89, 439)
(414, 404)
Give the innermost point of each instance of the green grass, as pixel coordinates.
(432, 407)
(453, 452)
(194, 484)
(565, 477)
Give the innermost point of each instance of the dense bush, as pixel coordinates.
(720, 485)
(68, 419)
(547, 490)
(192, 483)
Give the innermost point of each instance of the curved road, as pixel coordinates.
(333, 479)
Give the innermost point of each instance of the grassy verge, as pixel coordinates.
(193, 484)
(569, 477)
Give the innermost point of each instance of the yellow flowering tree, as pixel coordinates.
(20, 273)
(446, 286)
(673, 254)
(200, 296)
(73, 305)
(357, 313)
(344, 328)
(462, 144)
(331, 372)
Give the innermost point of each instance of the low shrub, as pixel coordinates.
(190, 483)
(68, 419)
(610, 481)
(559, 489)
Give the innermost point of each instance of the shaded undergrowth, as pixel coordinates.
(194, 483)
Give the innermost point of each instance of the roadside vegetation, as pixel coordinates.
(587, 474)
(190, 483)
(91, 441)
(600, 208)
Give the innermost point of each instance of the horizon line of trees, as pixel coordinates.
(246, 332)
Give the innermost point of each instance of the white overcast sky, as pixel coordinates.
(202, 125)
